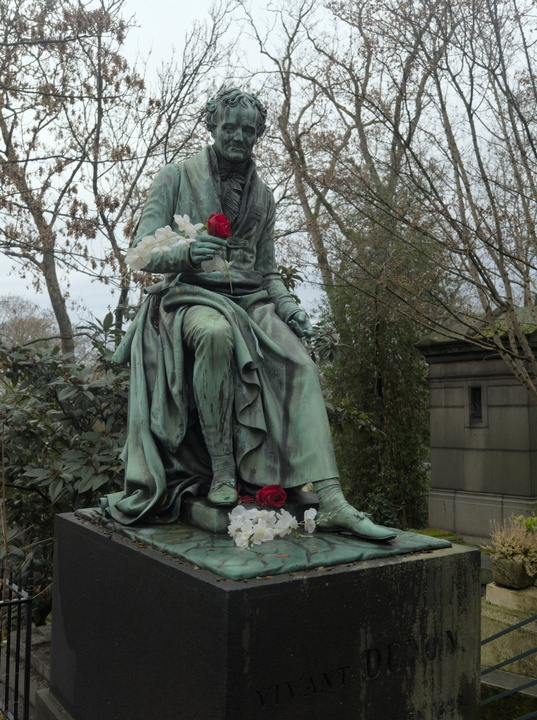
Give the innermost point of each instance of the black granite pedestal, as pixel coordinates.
(138, 635)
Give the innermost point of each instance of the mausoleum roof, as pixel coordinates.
(468, 332)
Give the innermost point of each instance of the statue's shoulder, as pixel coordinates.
(173, 171)
(265, 193)
(167, 176)
(262, 189)
(171, 175)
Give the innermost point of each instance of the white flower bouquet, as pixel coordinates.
(250, 526)
(165, 239)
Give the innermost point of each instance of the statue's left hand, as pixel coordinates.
(300, 324)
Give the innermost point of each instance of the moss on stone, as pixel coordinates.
(443, 535)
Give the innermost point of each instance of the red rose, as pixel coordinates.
(219, 226)
(245, 499)
(271, 496)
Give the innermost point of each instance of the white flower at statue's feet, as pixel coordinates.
(184, 225)
(262, 532)
(242, 540)
(286, 523)
(241, 511)
(242, 524)
(254, 526)
(309, 520)
(268, 517)
(216, 264)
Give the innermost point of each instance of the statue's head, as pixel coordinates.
(236, 119)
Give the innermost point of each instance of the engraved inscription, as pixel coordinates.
(287, 692)
(386, 660)
(400, 656)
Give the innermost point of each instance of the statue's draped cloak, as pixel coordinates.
(280, 429)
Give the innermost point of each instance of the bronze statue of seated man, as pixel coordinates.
(222, 388)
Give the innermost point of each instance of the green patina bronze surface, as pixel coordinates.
(218, 554)
(222, 388)
(278, 427)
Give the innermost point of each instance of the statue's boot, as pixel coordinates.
(223, 490)
(340, 516)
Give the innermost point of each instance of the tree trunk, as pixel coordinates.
(57, 301)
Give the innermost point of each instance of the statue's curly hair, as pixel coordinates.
(232, 98)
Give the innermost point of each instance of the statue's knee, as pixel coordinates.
(220, 336)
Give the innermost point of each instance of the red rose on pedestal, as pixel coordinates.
(245, 499)
(219, 226)
(271, 496)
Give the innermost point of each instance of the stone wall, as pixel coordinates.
(483, 440)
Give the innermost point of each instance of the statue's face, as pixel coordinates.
(235, 133)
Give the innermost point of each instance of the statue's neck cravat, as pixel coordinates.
(232, 181)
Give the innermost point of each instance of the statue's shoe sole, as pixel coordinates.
(222, 502)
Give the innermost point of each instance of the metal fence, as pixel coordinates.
(502, 664)
(16, 648)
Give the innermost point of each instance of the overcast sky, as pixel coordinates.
(162, 25)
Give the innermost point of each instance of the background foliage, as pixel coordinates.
(63, 426)
(380, 420)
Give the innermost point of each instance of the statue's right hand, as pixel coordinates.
(205, 247)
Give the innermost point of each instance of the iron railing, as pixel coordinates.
(502, 664)
(15, 653)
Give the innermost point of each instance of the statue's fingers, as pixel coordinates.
(295, 327)
(212, 246)
(212, 239)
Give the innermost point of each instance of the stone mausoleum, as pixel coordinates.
(483, 438)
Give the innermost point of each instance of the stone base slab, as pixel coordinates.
(140, 635)
(523, 601)
(217, 552)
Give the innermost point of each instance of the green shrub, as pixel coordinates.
(63, 425)
(377, 384)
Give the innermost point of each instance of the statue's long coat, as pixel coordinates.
(281, 434)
